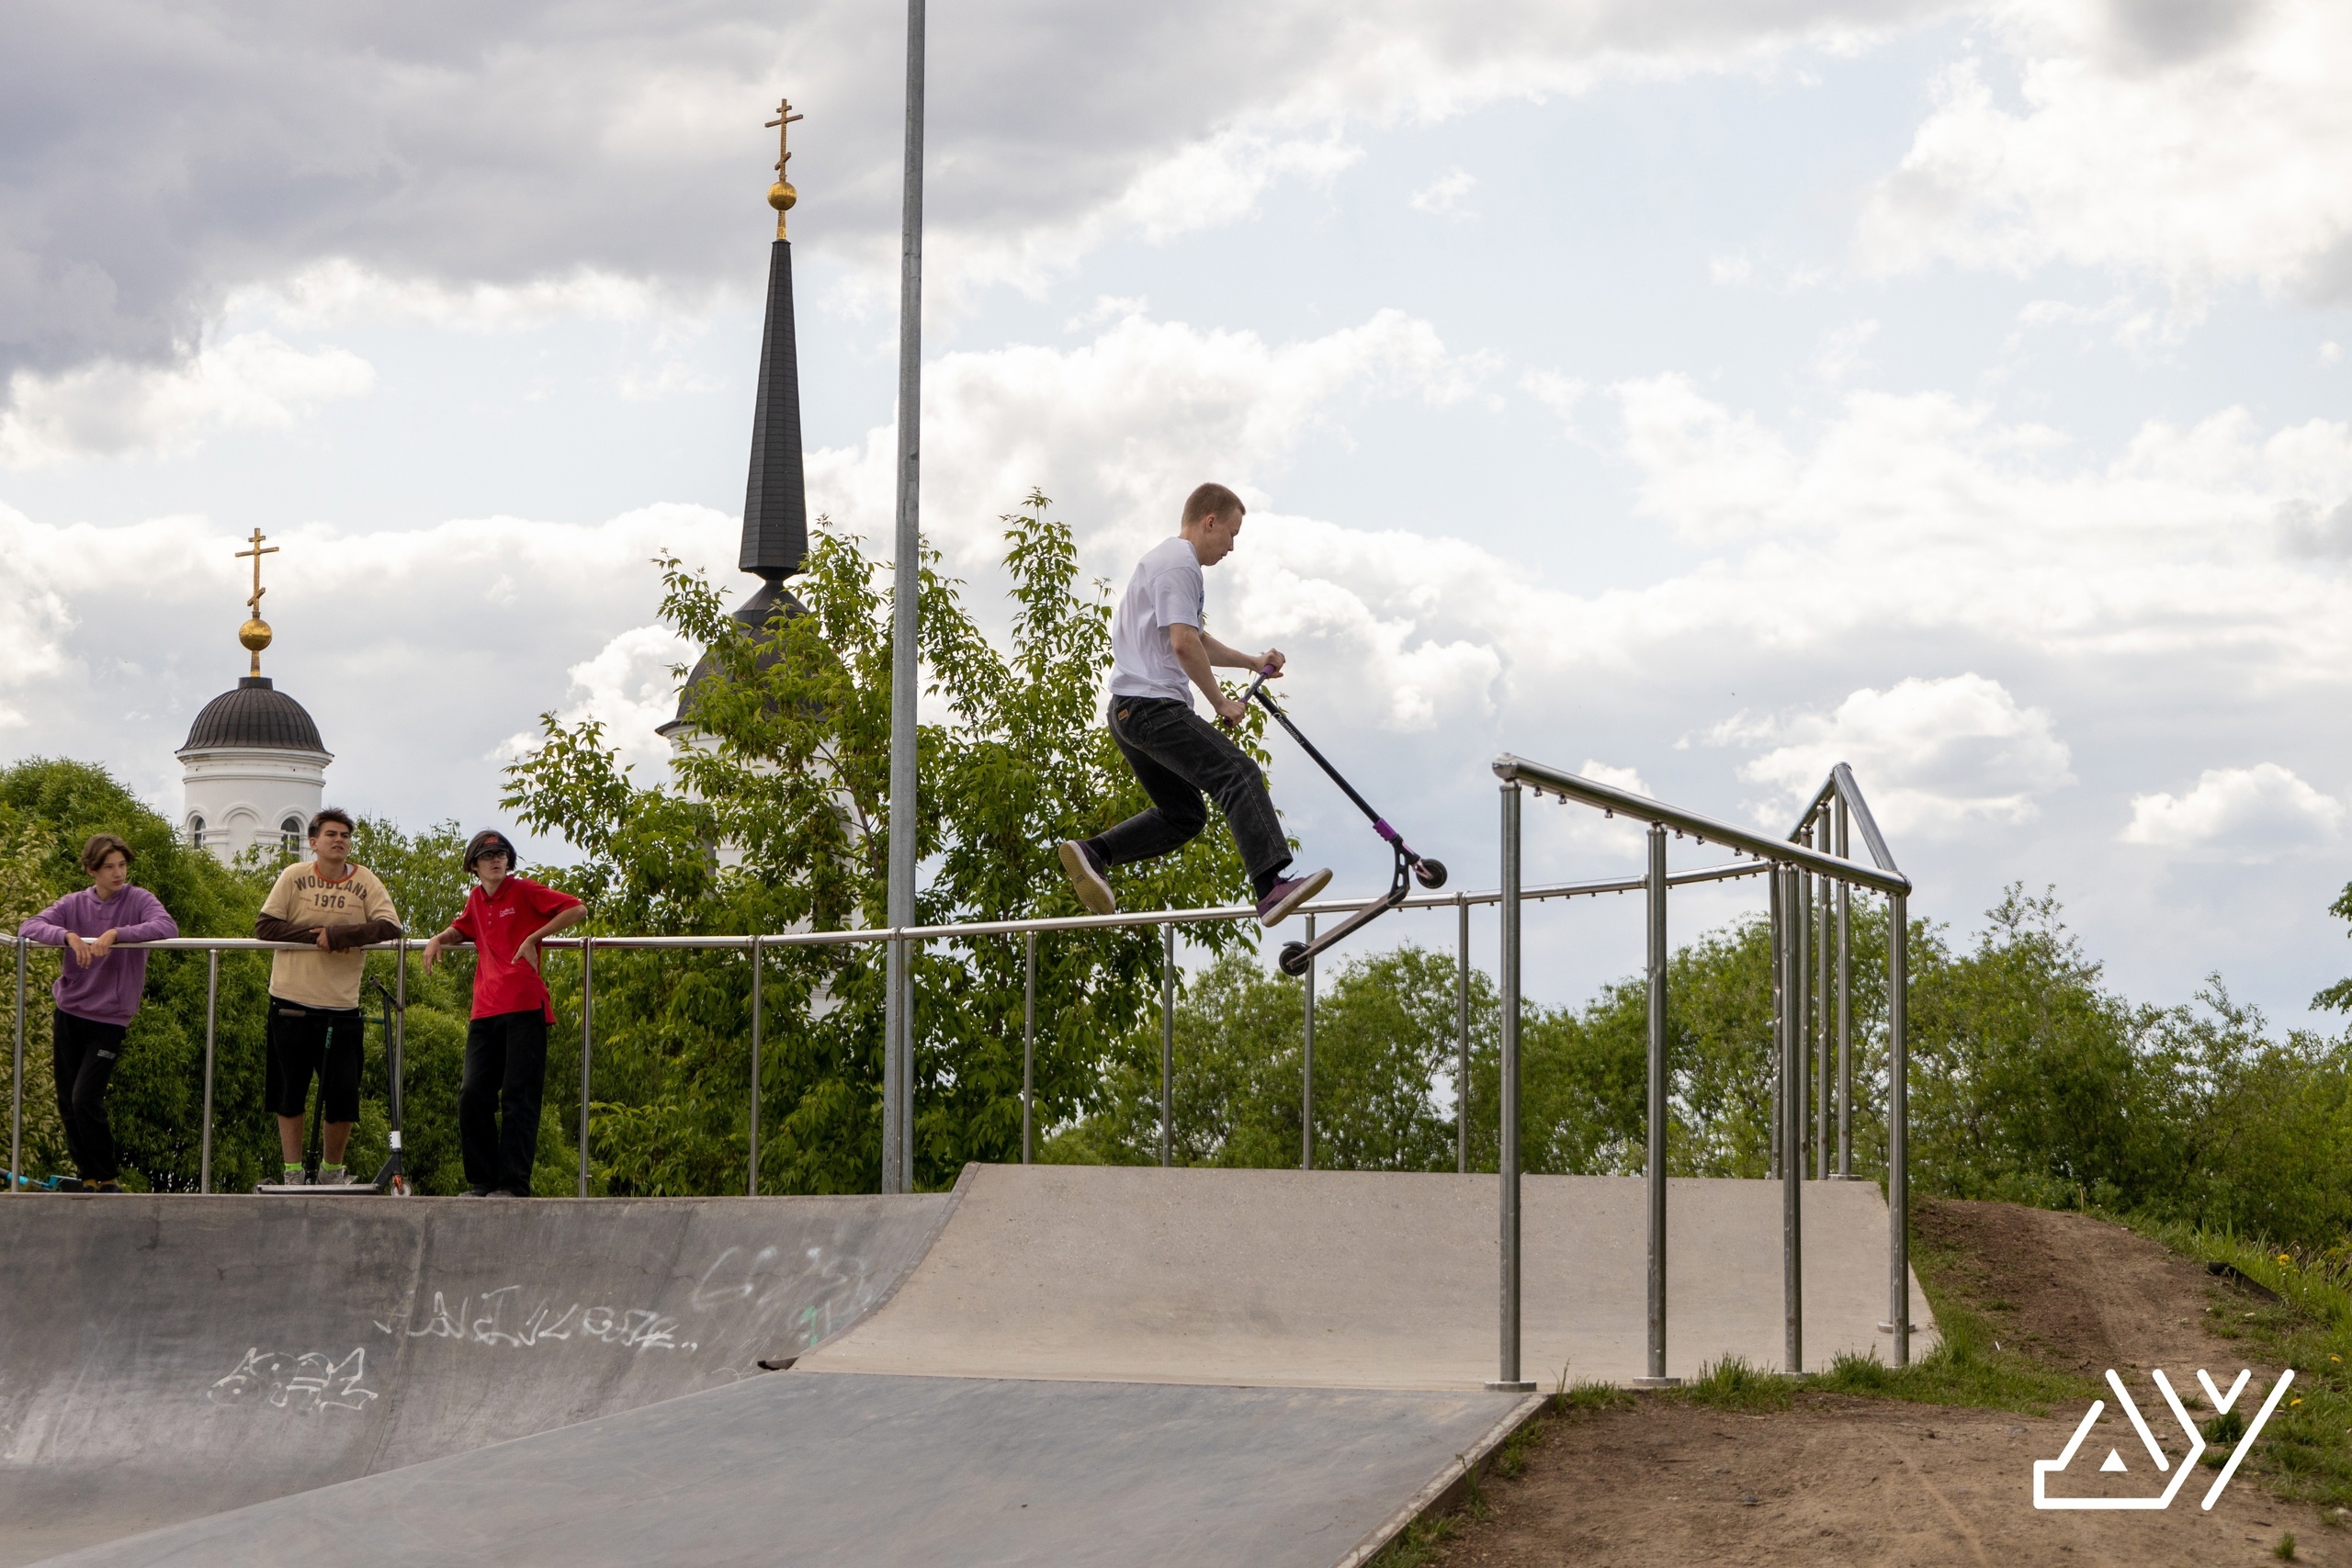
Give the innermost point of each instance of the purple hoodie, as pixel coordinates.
(108, 991)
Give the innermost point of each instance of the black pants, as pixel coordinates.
(85, 1053)
(304, 1042)
(506, 1071)
(1178, 757)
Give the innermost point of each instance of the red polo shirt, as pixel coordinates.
(496, 927)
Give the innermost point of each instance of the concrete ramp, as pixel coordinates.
(1362, 1279)
(170, 1357)
(922, 1472)
(1053, 1364)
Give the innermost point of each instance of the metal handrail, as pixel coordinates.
(1641, 808)
(756, 944)
(1795, 1015)
(952, 930)
(1840, 787)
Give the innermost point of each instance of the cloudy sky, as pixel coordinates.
(1702, 391)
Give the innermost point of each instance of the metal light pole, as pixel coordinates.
(898, 1055)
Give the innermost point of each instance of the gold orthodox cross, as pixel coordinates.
(258, 551)
(781, 195)
(254, 633)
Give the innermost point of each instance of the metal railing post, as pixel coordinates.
(211, 1019)
(753, 1190)
(1167, 1043)
(1791, 1042)
(1655, 1173)
(1462, 1042)
(1845, 1011)
(1801, 1024)
(1029, 1049)
(587, 1033)
(909, 1031)
(1822, 932)
(1306, 1063)
(17, 1083)
(1507, 1164)
(396, 1063)
(1780, 1007)
(1898, 1129)
(894, 973)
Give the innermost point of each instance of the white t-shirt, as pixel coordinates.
(1166, 591)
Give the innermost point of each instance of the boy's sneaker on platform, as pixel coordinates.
(1288, 893)
(332, 1176)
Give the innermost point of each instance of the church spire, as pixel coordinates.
(775, 502)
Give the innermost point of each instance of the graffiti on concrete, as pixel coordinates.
(311, 1383)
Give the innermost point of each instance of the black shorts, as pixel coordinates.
(308, 1042)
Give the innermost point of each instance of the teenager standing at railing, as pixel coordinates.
(506, 917)
(315, 1024)
(98, 994)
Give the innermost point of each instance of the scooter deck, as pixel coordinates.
(303, 1189)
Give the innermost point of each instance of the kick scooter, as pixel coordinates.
(1296, 955)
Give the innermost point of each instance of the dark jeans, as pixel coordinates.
(506, 1069)
(85, 1053)
(1178, 757)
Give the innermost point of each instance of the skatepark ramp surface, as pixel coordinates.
(1362, 1278)
(162, 1358)
(1065, 1364)
(861, 1469)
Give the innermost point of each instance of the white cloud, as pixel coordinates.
(1624, 778)
(520, 160)
(1936, 756)
(418, 651)
(2200, 143)
(1442, 196)
(1841, 353)
(1557, 392)
(2247, 815)
(628, 688)
(251, 382)
(1121, 428)
(1921, 514)
(338, 291)
(2331, 354)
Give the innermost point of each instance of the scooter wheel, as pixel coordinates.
(1294, 958)
(1430, 873)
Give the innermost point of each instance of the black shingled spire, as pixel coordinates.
(775, 503)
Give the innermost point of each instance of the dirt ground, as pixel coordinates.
(1841, 1480)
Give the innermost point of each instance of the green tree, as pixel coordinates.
(777, 822)
(1385, 1066)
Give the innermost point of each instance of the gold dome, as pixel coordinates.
(781, 197)
(255, 634)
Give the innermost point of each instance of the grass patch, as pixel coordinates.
(2305, 1450)
(1730, 1383)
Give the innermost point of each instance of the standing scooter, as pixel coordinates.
(1296, 955)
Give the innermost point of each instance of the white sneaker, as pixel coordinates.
(331, 1179)
(1093, 887)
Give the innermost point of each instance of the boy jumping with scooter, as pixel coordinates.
(1159, 652)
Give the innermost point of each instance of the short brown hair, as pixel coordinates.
(95, 853)
(332, 814)
(1210, 501)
